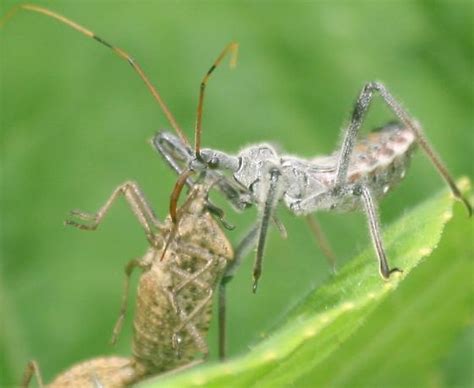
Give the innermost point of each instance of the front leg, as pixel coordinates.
(360, 109)
(181, 159)
(270, 201)
(137, 202)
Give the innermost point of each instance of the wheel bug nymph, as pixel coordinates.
(352, 178)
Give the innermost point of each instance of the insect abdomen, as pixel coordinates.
(154, 322)
(380, 160)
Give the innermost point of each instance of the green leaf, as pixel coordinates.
(355, 329)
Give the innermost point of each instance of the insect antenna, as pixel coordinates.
(118, 51)
(231, 48)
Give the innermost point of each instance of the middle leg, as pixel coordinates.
(137, 202)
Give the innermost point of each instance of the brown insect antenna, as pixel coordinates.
(175, 194)
(118, 51)
(231, 48)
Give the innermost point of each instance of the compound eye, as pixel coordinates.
(213, 162)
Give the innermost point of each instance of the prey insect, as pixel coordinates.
(181, 269)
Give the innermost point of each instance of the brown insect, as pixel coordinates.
(181, 268)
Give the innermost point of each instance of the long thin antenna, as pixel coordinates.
(118, 51)
(232, 48)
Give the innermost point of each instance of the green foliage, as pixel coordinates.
(74, 121)
(355, 330)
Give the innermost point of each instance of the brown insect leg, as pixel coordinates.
(137, 203)
(31, 369)
(131, 265)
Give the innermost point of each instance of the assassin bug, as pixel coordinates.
(352, 178)
(174, 298)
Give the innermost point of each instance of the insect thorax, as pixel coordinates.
(255, 162)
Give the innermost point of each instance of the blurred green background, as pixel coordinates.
(75, 122)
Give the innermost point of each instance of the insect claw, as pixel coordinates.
(467, 205)
(386, 275)
(80, 226)
(72, 223)
(255, 284)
